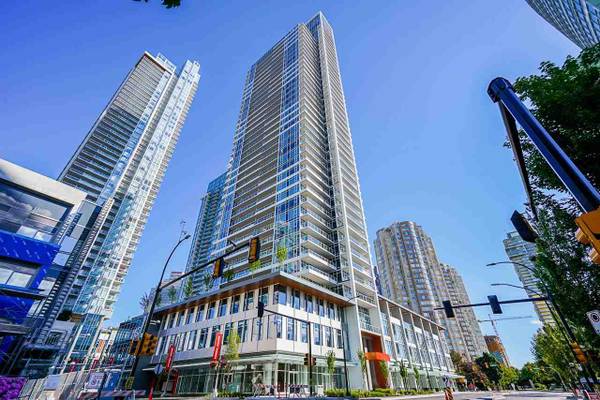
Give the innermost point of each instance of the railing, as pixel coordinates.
(306, 251)
(367, 326)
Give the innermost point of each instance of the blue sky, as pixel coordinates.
(428, 140)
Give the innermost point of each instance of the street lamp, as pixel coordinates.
(183, 238)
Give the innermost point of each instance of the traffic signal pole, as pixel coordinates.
(513, 110)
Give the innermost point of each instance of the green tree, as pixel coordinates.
(145, 301)
(330, 365)
(281, 253)
(167, 3)
(471, 371)
(188, 289)
(385, 371)
(232, 353)
(362, 359)
(417, 377)
(403, 372)
(566, 100)
(228, 275)
(548, 346)
(207, 280)
(172, 294)
(509, 375)
(490, 367)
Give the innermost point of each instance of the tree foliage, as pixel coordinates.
(490, 367)
(188, 289)
(470, 370)
(232, 353)
(550, 348)
(508, 375)
(172, 294)
(145, 301)
(566, 101)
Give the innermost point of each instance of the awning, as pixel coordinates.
(377, 356)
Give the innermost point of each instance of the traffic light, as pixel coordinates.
(523, 227)
(448, 308)
(495, 304)
(579, 354)
(589, 233)
(149, 343)
(314, 361)
(261, 309)
(134, 347)
(305, 358)
(218, 268)
(254, 252)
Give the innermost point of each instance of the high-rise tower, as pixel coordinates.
(520, 253)
(470, 330)
(292, 176)
(204, 233)
(411, 274)
(120, 165)
(578, 20)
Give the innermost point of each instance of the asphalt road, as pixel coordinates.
(522, 395)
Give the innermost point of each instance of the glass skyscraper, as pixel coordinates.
(204, 233)
(120, 165)
(578, 20)
(291, 181)
(521, 252)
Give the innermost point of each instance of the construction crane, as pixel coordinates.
(493, 321)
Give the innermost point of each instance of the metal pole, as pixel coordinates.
(153, 305)
(501, 91)
(310, 380)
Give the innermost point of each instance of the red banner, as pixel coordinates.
(217, 350)
(170, 356)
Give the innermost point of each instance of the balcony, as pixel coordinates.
(364, 325)
(312, 257)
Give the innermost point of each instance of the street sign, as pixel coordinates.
(170, 356)
(217, 350)
(95, 380)
(594, 317)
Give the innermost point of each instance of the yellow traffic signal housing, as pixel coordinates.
(134, 347)
(578, 352)
(589, 233)
(218, 268)
(254, 251)
(149, 343)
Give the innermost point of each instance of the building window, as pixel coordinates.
(277, 320)
(330, 311)
(235, 304)
(190, 316)
(226, 333)
(222, 308)
(338, 339)
(291, 329)
(180, 318)
(263, 296)
(296, 299)
(192, 340)
(280, 295)
(242, 330)
(321, 304)
(210, 313)
(257, 329)
(248, 300)
(203, 337)
(304, 332)
(308, 303)
(200, 313)
(171, 320)
(317, 334)
(213, 334)
(328, 337)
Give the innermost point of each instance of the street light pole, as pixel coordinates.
(155, 297)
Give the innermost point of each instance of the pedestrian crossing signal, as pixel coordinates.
(254, 251)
